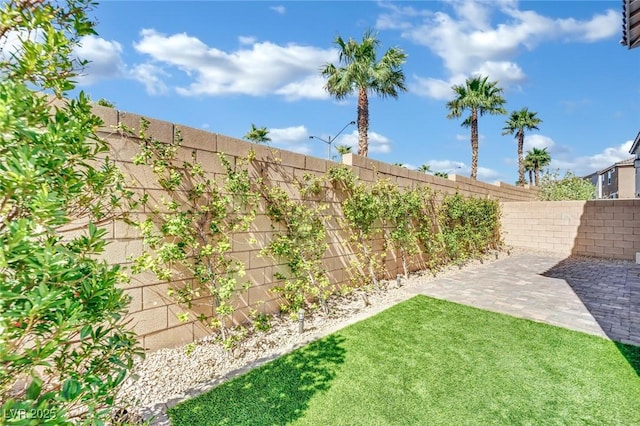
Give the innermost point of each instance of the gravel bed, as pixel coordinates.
(168, 376)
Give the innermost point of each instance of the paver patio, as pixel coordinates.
(595, 296)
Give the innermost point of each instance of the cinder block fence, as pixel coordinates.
(596, 228)
(152, 312)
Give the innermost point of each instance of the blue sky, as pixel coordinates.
(222, 65)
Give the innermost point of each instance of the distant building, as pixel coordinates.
(631, 39)
(616, 181)
(635, 150)
(630, 23)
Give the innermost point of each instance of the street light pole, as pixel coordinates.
(332, 140)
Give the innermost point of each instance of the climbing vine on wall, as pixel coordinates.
(301, 244)
(412, 224)
(362, 208)
(469, 226)
(188, 237)
(188, 233)
(400, 215)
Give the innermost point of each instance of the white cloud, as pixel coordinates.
(485, 174)
(12, 41)
(447, 166)
(294, 138)
(105, 62)
(538, 141)
(104, 58)
(377, 142)
(300, 149)
(585, 165)
(396, 16)
(460, 168)
(280, 9)
(289, 134)
(265, 68)
(469, 44)
(507, 73)
(311, 87)
(435, 88)
(246, 39)
(151, 76)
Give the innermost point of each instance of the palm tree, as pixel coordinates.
(479, 96)
(106, 103)
(538, 158)
(257, 134)
(425, 168)
(518, 122)
(343, 149)
(362, 73)
(528, 167)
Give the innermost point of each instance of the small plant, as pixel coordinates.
(261, 321)
(190, 348)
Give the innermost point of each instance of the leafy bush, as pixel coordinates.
(411, 222)
(64, 348)
(469, 226)
(570, 187)
(401, 212)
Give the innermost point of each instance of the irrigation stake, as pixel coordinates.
(301, 321)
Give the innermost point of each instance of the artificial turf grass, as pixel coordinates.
(428, 361)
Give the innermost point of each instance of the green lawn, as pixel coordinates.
(427, 362)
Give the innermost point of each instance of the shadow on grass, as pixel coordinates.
(611, 293)
(632, 354)
(276, 393)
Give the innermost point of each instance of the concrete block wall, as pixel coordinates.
(152, 312)
(597, 228)
(370, 170)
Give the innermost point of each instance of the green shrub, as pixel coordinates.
(469, 226)
(64, 349)
(570, 187)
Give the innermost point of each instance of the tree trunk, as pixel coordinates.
(530, 177)
(535, 173)
(474, 144)
(363, 122)
(520, 158)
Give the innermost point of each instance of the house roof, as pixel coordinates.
(630, 23)
(635, 145)
(627, 162)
